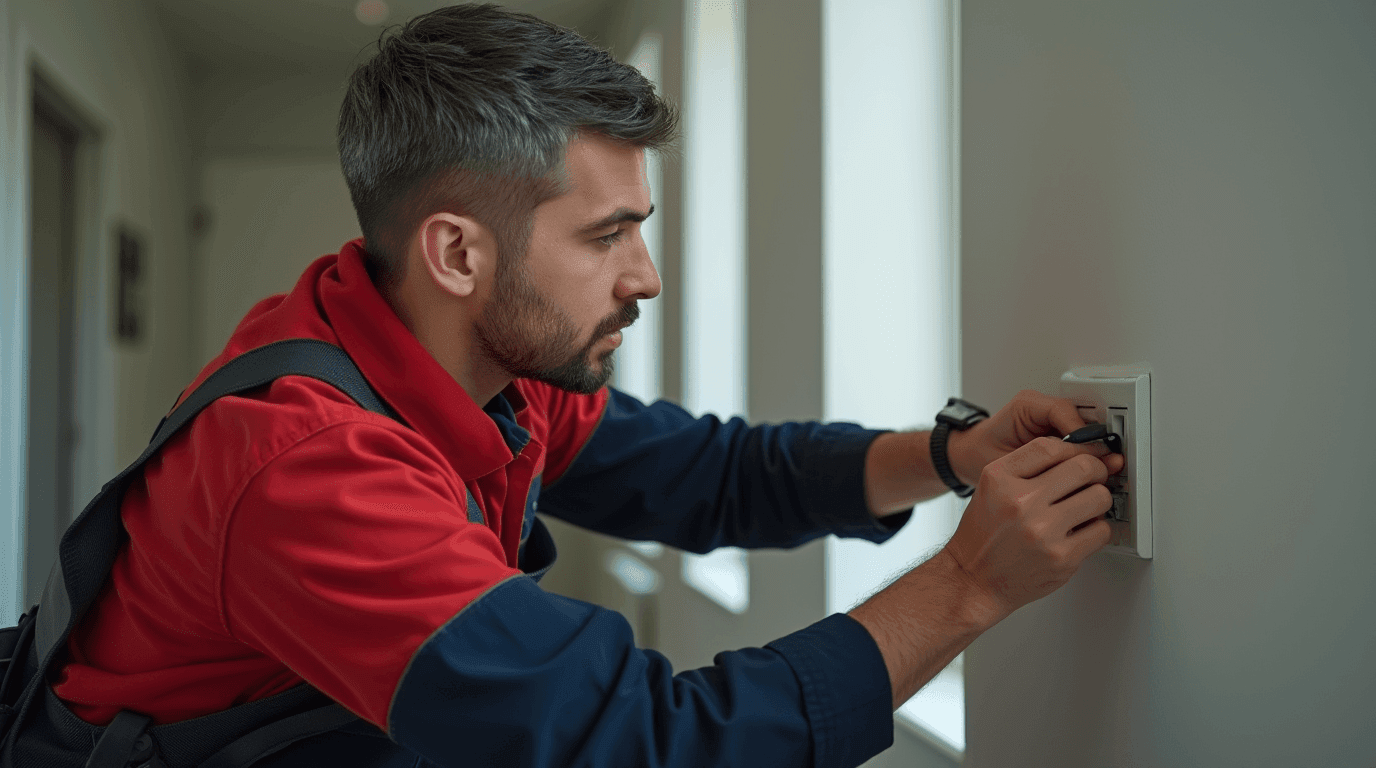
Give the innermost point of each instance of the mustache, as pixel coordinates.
(628, 315)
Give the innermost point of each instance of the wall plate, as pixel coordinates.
(1120, 396)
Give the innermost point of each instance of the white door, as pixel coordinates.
(51, 424)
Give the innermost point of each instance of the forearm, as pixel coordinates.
(924, 620)
(659, 473)
(899, 471)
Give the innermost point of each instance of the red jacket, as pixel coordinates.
(290, 535)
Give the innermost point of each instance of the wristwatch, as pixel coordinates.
(958, 415)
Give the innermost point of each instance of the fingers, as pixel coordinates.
(1070, 476)
(1090, 538)
(1058, 473)
(1057, 414)
(1065, 416)
(1083, 506)
(1044, 453)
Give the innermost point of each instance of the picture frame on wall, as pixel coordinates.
(129, 273)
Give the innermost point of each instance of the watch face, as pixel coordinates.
(960, 413)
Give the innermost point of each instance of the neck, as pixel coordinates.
(446, 331)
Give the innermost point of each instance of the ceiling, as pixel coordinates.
(313, 34)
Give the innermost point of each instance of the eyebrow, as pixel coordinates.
(616, 217)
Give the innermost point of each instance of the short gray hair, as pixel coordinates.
(470, 109)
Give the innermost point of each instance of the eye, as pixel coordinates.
(613, 238)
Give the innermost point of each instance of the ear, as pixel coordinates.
(459, 254)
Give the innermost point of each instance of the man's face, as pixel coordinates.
(555, 313)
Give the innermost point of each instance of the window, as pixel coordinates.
(890, 289)
(714, 258)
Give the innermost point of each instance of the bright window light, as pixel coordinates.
(638, 362)
(722, 575)
(650, 549)
(714, 221)
(634, 575)
(714, 251)
(888, 288)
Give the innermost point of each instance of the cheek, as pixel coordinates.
(577, 283)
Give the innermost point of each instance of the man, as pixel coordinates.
(496, 164)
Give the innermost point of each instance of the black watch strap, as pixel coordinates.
(960, 415)
(943, 464)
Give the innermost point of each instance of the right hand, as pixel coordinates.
(1018, 539)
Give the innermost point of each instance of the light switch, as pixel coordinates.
(1120, 396)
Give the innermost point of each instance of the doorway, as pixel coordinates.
(52, 432)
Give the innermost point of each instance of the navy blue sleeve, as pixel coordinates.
(523, 677)
(656, 473)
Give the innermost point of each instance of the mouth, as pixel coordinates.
(614, 336)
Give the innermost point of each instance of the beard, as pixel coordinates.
(528, 337)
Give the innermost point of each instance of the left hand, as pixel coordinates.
(1030, 415)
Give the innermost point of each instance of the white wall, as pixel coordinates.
(1190, 185)
(110, 63)
(269, 219)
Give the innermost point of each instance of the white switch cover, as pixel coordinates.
(1120, 396)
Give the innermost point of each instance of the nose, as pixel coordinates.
(641, 279)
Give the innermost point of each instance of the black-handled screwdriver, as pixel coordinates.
(1094, 432)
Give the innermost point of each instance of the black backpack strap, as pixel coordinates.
(88, 548)
(117, 742)
(14, 648)
(293, 357)
(276, 736)
(85, 560)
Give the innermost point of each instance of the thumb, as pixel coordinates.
(1115, 462)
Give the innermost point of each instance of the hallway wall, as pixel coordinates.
(269, 184)
(111, 63)
(1190, 186)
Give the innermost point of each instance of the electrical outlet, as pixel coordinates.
(1120, 396)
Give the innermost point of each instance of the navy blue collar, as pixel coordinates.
(504, 416)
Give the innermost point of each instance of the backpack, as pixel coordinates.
(38, 731)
